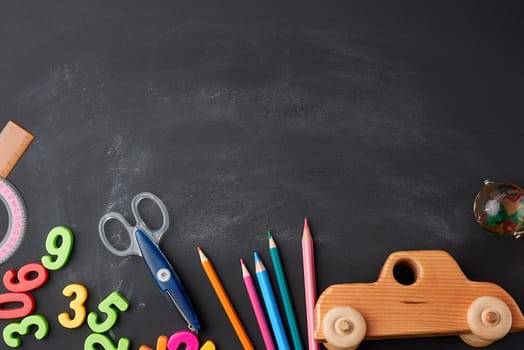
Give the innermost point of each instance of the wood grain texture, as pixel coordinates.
(436, 303)
(14, 141)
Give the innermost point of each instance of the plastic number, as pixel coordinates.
(21, 281)
(105, 343)
(59, 243)
(208, 345)
(27, 307)
(114, 301)
(183, 337)
(161, 344)
(77, 305)
(12, 331)
(177, 339)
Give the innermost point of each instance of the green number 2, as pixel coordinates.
(13, 330)
(105, 342)
(114, 301)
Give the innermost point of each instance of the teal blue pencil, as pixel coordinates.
(284, 294)
(271, 304)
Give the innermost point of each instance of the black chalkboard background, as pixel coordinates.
(376, 120)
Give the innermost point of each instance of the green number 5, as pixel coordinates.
(110, 306)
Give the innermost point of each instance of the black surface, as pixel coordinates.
(377, 120)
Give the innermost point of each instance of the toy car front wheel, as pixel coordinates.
(489, 318)
(344, 327)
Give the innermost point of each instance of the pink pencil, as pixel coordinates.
(257, 307)
(310, 284)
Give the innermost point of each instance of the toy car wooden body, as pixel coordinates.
(440, 300)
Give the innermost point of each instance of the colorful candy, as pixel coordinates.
(499, 208)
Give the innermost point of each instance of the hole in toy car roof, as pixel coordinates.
(405, 272)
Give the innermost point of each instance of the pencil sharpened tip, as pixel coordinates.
(268, 234)
(307, 232)
(203, 257)
(272, 243)
(245, 271)
(257, 257)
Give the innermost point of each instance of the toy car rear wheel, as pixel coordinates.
(344, 327)
(489, 318)
(472, 340)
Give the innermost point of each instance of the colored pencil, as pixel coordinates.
(308, 261)
(271, 304)
(257, 307)
(284, 293)
(221, 293)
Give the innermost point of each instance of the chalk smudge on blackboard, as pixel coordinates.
(127, 162)
(64, 74)
(116, 146)
(118, 191)
(410, 208)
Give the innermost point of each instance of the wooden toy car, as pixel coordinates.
(438, 300)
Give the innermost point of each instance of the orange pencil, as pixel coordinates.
(225, 301)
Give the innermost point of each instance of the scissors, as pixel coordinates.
(144, 242)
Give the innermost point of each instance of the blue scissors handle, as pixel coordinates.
(155, 235)
(167, 280)
(144, 242)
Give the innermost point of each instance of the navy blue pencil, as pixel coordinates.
(271, 304)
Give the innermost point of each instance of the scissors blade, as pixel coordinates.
(190, 323)
(166, 279)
